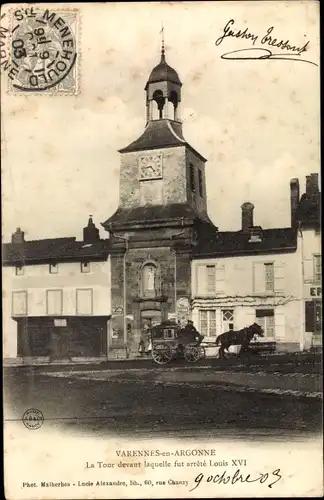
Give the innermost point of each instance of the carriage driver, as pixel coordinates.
(190, 335)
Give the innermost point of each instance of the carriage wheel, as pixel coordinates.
(162, 354)
(192, 353)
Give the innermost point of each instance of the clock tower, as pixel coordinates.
(162, 208)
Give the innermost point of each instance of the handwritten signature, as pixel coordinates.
(290, 52)
(225, 478)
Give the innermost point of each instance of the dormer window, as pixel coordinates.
(254, 238)
(53, 268)
(19, 270)
(85, 267)
(255, 234)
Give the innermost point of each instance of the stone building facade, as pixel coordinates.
(161, 210)
(163, 258)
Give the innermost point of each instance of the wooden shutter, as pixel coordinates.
(280, 325)
(201, 282)
(220, 278)
(309, 316)
(279, 276)
(54, 302)
(258, 277)
(309, 269)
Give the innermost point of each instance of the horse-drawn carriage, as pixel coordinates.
(171, 341)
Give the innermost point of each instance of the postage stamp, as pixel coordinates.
(33, 418)
(42, 53)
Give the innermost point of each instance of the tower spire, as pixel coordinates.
(162, 44)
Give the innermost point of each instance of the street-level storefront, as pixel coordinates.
(313, 312)
(213, 317)
(62, 337)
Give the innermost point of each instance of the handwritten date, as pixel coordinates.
(238, 477)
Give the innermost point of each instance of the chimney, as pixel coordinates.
(247, 216)
(294, 200)
(311, 184)
(90, 232)
(18, 237)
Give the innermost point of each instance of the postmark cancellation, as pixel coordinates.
(42, 53)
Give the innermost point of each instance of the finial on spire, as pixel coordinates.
(162, 45)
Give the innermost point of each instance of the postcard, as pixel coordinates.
(161, 242)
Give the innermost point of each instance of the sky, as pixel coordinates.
(256, 121)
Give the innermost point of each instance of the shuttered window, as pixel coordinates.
(84, 301)
(19, 303)
(207, 322)
(210, 279)
(54, 302)
(268, 277)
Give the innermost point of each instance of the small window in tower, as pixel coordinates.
(200, 181)
(85, 267)
(192, 178)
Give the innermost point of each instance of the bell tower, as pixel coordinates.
(163, 92)
(161, 209)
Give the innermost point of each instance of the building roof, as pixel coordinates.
(160, 134)
(54, 250)
(213, 243)
(163, 73)
(150, 213)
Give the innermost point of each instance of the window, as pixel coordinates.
(192, 178)
(149, 285)
(85, 267)
(168, 334)
(19, 270)
(19, 303)
(317, 268)
(264, 277)
(207, 322)
(265, 318)
(211, 279)
(227, 320)
(53, 268)
(269, 277)
(200, 183)
(84, 301)
(54, 302)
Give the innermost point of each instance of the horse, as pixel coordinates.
(240, 337)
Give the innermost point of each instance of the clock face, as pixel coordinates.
(150, 167)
